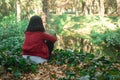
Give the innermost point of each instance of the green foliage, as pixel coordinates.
(56, 23)
(85, 66)
(11, 34)
(109, 41)
(11, 39)
(103, 32)
(14, 63)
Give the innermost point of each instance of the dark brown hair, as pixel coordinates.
(35, 24)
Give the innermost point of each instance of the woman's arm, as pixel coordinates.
(49, 37)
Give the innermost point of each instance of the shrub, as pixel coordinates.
(109, 41)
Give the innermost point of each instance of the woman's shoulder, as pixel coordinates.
(36, 32)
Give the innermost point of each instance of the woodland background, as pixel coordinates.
(81, 26)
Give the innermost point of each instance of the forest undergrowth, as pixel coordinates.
(64, 65)
(102, 63)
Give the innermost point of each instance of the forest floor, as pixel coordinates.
(48, 71)
(45, 71)
(66, 65)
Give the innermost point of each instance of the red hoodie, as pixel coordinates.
(34, 44)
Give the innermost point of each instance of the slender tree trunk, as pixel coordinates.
(18, 11)
(77, 7)
(118, 7)
(83, 7)
(101, 8)
(86, 7)
(45, 12)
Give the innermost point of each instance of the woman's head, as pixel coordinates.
(35, 24)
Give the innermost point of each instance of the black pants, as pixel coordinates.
(50, 47)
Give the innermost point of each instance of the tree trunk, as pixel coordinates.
(86, 7)
(101, 8)
(118, 7)
(95, 4)
(18, 11)
(45, 12)
(77, 7)
(83, 7)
